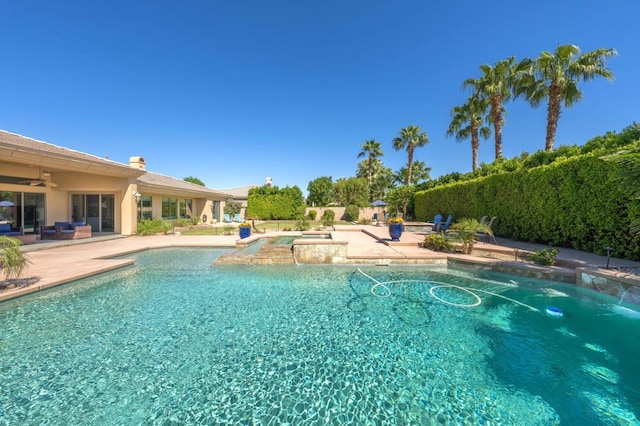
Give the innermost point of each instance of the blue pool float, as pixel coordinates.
(554, 312)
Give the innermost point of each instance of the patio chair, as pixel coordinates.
(227, 218)
(436, 222)
(484, 236)
(445, 225)
(238, 218)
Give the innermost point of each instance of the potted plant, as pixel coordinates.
(245, 230)
(396, 226)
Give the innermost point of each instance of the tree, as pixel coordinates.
(12, 260)
(320, 191)
(232, 207)
(382, 177)
(496, 85)
(370, 149)
(467, 122)
(410, 138)
(382, 183)
(351, 191)
(419, 173)
(555, 76)
(194, 180)
(398, 199)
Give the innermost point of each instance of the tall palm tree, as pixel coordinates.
(371, 149)
(555, 76)
(411, 137)
(496, 84)
(467, 121)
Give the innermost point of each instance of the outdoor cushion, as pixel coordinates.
(74, 224)
(5, 227)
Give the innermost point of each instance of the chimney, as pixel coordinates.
(138, 163)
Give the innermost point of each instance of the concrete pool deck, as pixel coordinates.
(58, 262)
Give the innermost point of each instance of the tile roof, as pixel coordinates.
(155, 180)
(27, 150)
(241, 192)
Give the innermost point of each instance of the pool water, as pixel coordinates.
(175, 340)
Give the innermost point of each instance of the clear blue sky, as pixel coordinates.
(294, 86)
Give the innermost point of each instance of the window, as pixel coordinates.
(146, 207)
(169, 208)
(186, 209)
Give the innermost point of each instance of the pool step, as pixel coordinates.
(269, 254)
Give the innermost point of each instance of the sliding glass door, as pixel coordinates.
(98, 210)
(22, 210)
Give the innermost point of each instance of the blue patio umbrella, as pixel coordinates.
(378, 203)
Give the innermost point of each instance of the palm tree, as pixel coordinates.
(410, 138)
(468, 122)
(419, 173)
(496, 84)
(371, 149)
(554, 76)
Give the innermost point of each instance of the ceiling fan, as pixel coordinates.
(42, 180)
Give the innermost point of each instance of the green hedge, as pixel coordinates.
(274, 203)
(577, 203)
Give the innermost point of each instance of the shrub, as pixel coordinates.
(437, 242)
(303, 224)
(181, 223)
(12, 260)
(313, 214)
(545, 257)
(351, 213)
(328, 218)
(153, 226)
(228, 230)
(465, 231)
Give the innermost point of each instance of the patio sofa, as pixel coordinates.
(7, 231)
(66, 231)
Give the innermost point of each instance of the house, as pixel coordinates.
(41, 183)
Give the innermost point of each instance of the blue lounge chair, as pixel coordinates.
(445, 225)
(237, 218)
(435, 225)
(227, 218)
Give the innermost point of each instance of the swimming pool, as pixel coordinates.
(174, 339)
